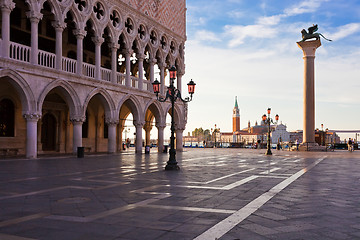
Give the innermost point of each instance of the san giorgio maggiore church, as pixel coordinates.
(258, 132)
(72, 71)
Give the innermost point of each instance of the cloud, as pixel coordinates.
(306, 6)
(240, 33)
(236, 14)
(208, 36)
(345, 30)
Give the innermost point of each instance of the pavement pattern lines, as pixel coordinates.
(215, 197)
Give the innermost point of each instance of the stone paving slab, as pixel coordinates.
(218, 194)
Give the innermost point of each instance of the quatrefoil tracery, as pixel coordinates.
(172, 47)
(129, 25)
(163, 42)
(115, 18)
(81, 4)
(141, 32)
(153, 38)
(99, 10)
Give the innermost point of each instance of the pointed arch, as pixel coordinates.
(67, 91)
(26, 95)
(134, 105)
(156, 108)
(105, 99)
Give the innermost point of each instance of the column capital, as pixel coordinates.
(34, 16)
(140, 56)
(114, 46)
(138, 123)
(32, 116)
(128, 52)
(79, 33)
(309, 47)
(161, 64)
(111, 121)
(58, 25)
(160, 125)
(152, 61)
(77, 119)
(97, 40)
(7, 5)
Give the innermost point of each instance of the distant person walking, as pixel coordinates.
(350, 146)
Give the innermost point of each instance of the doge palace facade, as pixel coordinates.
(71, 72)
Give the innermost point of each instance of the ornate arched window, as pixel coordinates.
(7, 118)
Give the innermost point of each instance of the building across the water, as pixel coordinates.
(71, 72)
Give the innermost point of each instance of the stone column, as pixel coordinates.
(34, 19)
(162, 77)
(119, 138)
(59, 28)
(114, 47)
(112, 135)
(31, 134)
(309, 48)
(140, 58)
(147, 128)
(128, 68)
(98, 41)
(6, 8)
(180, 73)
(139, 126)
(160, 143)
(179, 139)
(80, 34)
(77, 132)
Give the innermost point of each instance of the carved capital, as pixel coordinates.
(127, 52)
(59, 26)
(140, 56)
(97, 40)
(32, 116)
(138, 124)
(34, 16)
(7, 6)
(114, 46)
(111, 121)
(79, 33)
(77, 119)
(152, 61)
(160, 125)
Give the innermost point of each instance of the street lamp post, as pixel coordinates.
(214, 133)
(173, 94)
(267, 120)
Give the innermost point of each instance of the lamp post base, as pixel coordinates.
(172, 166)
(268, 152)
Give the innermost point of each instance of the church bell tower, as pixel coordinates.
(236, 117)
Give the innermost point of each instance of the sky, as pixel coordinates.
(247, 48)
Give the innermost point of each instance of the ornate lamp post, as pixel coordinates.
(173, 94)
(267, 120)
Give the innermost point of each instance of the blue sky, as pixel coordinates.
(248, 49)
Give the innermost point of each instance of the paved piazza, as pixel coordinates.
(218, 194)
